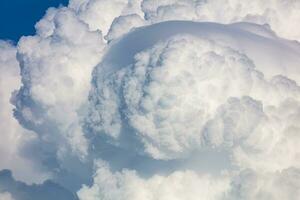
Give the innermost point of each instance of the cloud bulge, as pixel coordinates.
(132, 99)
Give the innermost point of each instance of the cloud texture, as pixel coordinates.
(111, 100)
(13, 135)
(281, 15)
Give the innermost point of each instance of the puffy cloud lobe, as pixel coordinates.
(6, 196)
(165, 93)
(246, 37)
(165, 10)
(162, 97)
(129, 185)
(185, 93)
(13, 136)
(56, 66)
(247, 184)
(282, 15)
(255, 185)
(14, 139)
(272, 145)
(56, 72)
(99, 14)
(123, 25)
(221, 90)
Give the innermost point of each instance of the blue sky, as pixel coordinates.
(18, 17)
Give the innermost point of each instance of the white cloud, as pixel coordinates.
(165, 93)
(164, 99)
(56, 67)
(162, 96)
(250, 185)
(273, 144)
(13, 136)
(122, 25)
(189, 185)
(99, 14)
(6, 196)
(176, 186)
(183, 185)
(192, 87)
(282, 15)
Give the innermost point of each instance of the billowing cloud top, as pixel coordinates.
(153, 100)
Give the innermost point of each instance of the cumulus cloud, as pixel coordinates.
(122, 25)
(56, 66)
(188, 90)
(10, 189)
(281, 15)
(247, 184)
(13, 136)
(99, 14)
(256, 185)
(6, 196)
(128, 185)
(163, 93)
(111, 95)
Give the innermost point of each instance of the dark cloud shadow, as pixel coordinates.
(45, 191)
